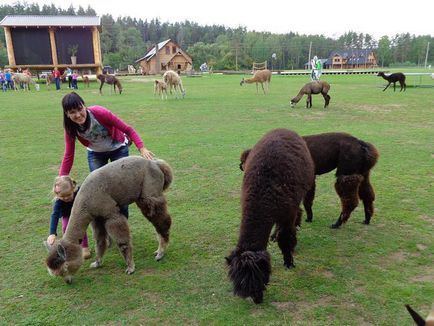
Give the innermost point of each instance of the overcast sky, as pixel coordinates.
(330, 18)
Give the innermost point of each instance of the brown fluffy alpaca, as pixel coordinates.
(429, 321)
(314, 87)
(110, 80)
(353, 160)
(260, 76)
(278, 173)
(119, 183)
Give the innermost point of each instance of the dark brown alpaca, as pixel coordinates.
(314, 87)
(278, 173)
(111, 80)
(353, 160)
(393, 78)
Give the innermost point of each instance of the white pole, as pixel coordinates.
(426, 56)
(310, 51)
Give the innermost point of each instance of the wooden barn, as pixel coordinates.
(166, 55)
(44, 42)
(351, 59)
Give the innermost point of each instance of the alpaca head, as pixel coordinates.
(250, 273)
(293, 102)
(242, 82)
(64, 259)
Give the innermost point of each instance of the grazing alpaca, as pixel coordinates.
(260, 76)
(419, 320)
(111, 80)
(119, 183)
(278, 173)
(160, 87)
(314, 87)
(353, 160)
(85, 80)
(393, 78)
(172, 79)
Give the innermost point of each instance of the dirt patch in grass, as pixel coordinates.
(378, 108)
(428, 278)
(426, 218)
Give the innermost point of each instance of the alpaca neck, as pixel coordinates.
(76, 228)
(254, 235)
(250, 80)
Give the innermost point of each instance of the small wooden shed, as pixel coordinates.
(45, 42)
(166, 55)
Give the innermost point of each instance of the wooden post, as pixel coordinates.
(97, 49)
(53, 46)
(10, 46)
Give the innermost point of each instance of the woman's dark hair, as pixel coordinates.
(72, 101)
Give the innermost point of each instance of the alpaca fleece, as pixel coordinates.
(119, 183)
(278, 173)
(353, 160)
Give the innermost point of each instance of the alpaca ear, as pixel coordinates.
(61, 251)
(416, 317)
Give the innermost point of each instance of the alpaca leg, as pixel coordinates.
(386, 87)
(394, 86)
(308, 100)
(367, 195)
(308, 202)
(287, 237)
(155, 210)
(347, 187)
(100, 236)
(326, 99)
(257, 88)
(262, 85)
(100, 87)
(117, 228)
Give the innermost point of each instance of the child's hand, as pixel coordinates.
(51, 238)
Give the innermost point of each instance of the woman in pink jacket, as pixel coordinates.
(104, 134)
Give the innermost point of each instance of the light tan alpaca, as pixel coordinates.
(172, 79)
(260, 76)
(160, 87)
(429, 321)
(85, 80)
(22, 78)
(119, 183)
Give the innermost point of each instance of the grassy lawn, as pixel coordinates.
(357, 275)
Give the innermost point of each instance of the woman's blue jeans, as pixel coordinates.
(98, 159)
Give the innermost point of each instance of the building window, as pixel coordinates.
(173, 49)
(167, 49)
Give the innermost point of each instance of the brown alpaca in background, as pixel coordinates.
(110, 80)
(85, 80)
(260, 76)
(393, 78)
(353, 160)
(314, 87)
(278, 173)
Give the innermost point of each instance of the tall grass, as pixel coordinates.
(357, 275)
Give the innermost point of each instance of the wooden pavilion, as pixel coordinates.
(44, 42)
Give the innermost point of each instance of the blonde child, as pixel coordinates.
(65, 189)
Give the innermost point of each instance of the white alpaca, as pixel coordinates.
(25, 79)
(260, 76)
(160, 87)
(172, 79)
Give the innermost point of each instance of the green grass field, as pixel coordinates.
(357, 275)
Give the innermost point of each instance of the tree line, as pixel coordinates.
(126, 39)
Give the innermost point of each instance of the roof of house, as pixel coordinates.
(152, 51)
(39, 20)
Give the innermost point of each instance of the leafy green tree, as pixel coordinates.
(384, 53)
